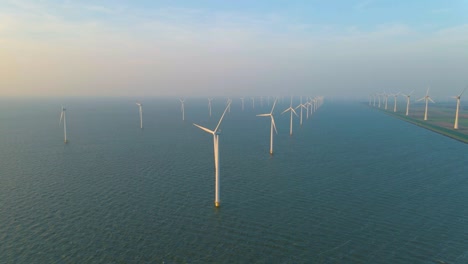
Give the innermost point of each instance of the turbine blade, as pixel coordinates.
(221, 119)
(421, 99)
(286, 110)
(264, 115)
(204, 128)
(274, 125)
(294, 112)
(61, 117)
(411, 92)
(430, 99)
(463, 92)
(273, 108)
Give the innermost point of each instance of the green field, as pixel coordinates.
(440, 117)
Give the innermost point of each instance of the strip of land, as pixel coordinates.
(440, 120)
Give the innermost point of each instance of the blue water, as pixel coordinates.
(352, 185)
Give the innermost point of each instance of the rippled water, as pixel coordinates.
(353, 185)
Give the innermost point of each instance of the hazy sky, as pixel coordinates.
(261, 47)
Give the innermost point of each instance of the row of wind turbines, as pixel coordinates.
(383, 98)
(311, 105)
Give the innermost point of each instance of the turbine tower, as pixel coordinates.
(394, 100)
(242, 99)
(407, 101)
(386, 99)
(427, 98)
(209, 104)
(273, 126)
(64, 117)
(182, 101)
(455, 126)
(253, 102)
(215, 134)
(291, 109)
(140, 106)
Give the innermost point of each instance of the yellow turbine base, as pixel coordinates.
(216, 204)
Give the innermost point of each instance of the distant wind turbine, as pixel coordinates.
(209, 104)
(182, 101)
(427, 98)
(140, 106)
(407, 101)
(215, 134)
(395, 96)
(242, 99)
(273, 126)
(253, 102)
(64, 117)
(458, 108)
(386, 99)
(301, 106)
(291, 109)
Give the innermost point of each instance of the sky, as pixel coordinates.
(232, 48)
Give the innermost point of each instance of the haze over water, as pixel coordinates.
(352, 185)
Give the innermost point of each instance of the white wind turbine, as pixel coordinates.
(455, 126)
(395, 96)
(407, 101)
(427, 98)
(182, 101)
(63, 116)
(253, 102)
(242, 99)
(273, 126)
(209, 104)
(140, 106)
(291, 109)
(215, 134)
(301, 106)
(386, 99)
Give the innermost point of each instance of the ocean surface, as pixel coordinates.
(352, 185)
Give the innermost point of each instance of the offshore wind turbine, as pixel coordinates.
(253, 102)
(209, 104)
(395, 96)
(386, 99)
(215, 134)
(273, 126)
(291, 109)
(427, 98)
(301, 106)
(407, 101)
(242, 99)
(140, 106)
(455, 126)
(64, 118)
(182, 101)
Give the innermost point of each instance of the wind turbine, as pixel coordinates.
(386, 99)
(215, 134)
(379, 99)
(242, 99)
(407, 101)
(273, 126)
(209, 104)
(455, 126)
(291, 109)
(141, 114)
(395, 96)
(253, 102)
(301, 106)
(427, 98)
(182, 101)
(63, 116)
